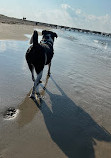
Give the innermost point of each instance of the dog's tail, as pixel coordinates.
(34, 38)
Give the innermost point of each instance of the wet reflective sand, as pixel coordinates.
(74, 118)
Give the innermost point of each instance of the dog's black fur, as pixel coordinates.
(40, 54)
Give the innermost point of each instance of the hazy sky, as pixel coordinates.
(87, 14)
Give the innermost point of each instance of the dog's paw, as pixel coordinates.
(33, 79)
(38, 94)
(49, 74)
(40, 81)
(32, 96)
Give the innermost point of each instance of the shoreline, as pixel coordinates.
(17, 32)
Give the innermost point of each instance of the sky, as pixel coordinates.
(84, 14)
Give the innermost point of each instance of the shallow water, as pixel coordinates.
(82, 61)
(13, 72)
(86, 67)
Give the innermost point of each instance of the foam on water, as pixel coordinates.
(93, 42)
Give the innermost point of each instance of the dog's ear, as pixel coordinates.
(55, 35)
(44, 32)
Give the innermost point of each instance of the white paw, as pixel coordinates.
(38, 94)
(32, 96)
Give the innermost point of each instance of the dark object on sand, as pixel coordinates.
(38, 55)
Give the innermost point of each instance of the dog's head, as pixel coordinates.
(49, 35)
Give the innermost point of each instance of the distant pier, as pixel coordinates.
(12, 20)
(74, 29)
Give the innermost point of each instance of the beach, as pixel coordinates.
(74, 117)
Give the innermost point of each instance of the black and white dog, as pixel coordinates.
(38, 55)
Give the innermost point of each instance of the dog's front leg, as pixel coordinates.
(49, 69)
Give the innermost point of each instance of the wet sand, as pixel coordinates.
(74, 118)
(17, 32)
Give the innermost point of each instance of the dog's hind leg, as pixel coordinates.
(33, 79)
(39, 76)
(36, 85)
(30, 65)
(49, 66)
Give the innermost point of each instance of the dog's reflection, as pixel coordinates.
(28, 109)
